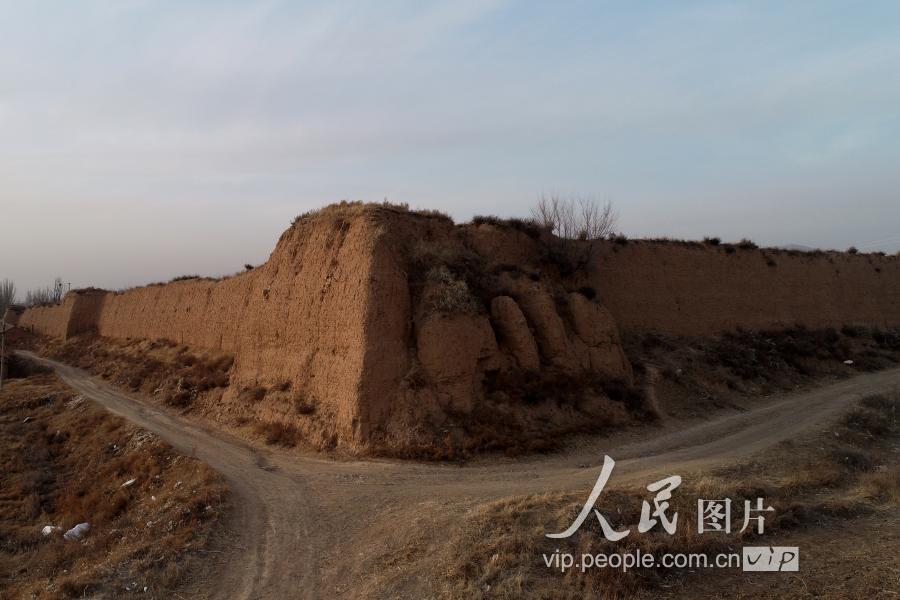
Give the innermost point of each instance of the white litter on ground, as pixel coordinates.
(77, 533)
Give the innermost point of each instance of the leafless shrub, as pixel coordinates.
(20, 367)
(575, 218)
(252, 394)
(303, 405)
(37, 297)
(448, 293)
(44, 296)
(529, 227)
(278, 433)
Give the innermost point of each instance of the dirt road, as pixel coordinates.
(309, 527)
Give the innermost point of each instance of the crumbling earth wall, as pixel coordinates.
(703, 289)
(400, 328)
(78, 312)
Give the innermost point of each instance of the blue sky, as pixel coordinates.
(142, 140)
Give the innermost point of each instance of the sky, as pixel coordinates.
(143, 140)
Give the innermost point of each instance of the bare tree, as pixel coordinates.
(46, 295)
(546, 213)
(575, 218)
(37, 297)
(596, 221)
(7, 295)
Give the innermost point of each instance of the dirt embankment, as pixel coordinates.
(373, 328)
(495, 512)
(65, 461)
(840, 480)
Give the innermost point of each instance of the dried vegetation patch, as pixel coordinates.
(692, 375)
(526, 413)
(162, 368)
(851, 471)
(66, 462)
(200, 381)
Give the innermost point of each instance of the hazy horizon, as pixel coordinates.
(141, 141)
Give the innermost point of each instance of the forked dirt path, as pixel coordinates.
(310, 527)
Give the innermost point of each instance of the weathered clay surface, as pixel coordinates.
(540, 309)
(597, 338)
(514, 332)
(702, 289)
(455, 351)
(301, 317)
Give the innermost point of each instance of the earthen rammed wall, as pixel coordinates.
(299, 317)
(705, 289)
(341, 309)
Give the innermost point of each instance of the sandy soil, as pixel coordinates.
(309, 527)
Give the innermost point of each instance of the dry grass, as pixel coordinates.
(19, 368)
(526, 226)
(199, 381)
(66, 465)
(303, 405)
(698, 374)
(347, 208)
(447, 293)
(154, 367)
(252, 394)
(527, 412)
(278, 433)
(450, 278)
(498, 550)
